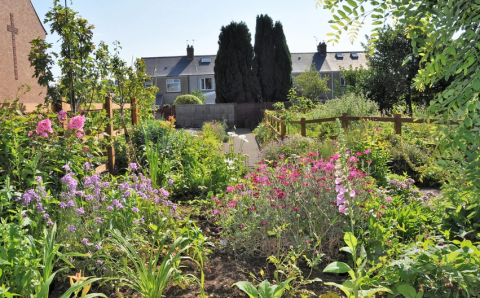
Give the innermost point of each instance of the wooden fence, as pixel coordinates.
(109, 106)
(279, 125)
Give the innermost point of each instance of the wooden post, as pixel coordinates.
(398, 124)
(344, 121)
(303, 128)
(278, 125)
(109, 131)
(283, 128)
(134, 109)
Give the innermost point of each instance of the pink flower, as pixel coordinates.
(241, 227)
(352, 193)
(342, 209)
(62, 116)
(76, 122)
(282, 156)
(367, 151)
(338, 180)
(230, 188)
(79, 135)
(264, 223)
(295, 208)
(388, 199)
(216, 212)
(30, 133)
(43, 127)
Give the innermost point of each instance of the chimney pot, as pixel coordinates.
(322, 48)
(190, 52)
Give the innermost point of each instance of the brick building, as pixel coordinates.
(19, 24)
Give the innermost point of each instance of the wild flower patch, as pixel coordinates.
(300, 202)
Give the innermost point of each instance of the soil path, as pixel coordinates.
(249, 148)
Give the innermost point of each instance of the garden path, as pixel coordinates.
(251, 148)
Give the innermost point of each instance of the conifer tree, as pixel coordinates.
(235, 80)
(264, 61)
(283, 64)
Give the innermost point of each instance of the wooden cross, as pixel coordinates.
(11, 28)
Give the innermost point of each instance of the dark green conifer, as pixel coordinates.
(283, 64)
(264, 60)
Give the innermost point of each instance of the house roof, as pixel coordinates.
(175, 66)
(179, 66)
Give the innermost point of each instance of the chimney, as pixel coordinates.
(322, 48)
(189, 52)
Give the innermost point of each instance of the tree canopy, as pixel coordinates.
(310, 84)
(446, 35)
(235, 80)
(283, 64)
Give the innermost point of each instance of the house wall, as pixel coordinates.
(169, 97)
(29, 28)
(195, 82)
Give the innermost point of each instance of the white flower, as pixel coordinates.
(229, 161)
(242, 137)
(245, 140)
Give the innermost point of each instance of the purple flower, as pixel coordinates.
(110, 208)
(80, 211)
(66, 167)
(99, 219)
(50, 223)
(70, 203)
(134, 209)
(133, 166)
(98, 247)
(71, 228)
(99, 263)
(62, 205)
(46, 216)
(38, 179)
(85, 241)
(170, 181)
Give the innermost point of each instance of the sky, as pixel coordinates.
(154, 28)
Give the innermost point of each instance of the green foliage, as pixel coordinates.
(235, 80)
(310, 84)
(147, 277)
(435, 269)
(431, 26)
(264, 290)
(356, 285)
(199, 94)
(187, 99)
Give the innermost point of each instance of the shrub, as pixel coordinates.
(217, 129)
(198, 93)
(187, 99)
(298, 145)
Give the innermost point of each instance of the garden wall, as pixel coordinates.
(196, 115)
(241, 115)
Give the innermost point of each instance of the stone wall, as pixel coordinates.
(196, 115)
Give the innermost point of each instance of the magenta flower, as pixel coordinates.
(44, 127)
(367, 151)
(295, 208)
(241, 227)
(342, 209)
(264, 223)
(30, 133)
(388, 199)
(230, 188)
(216, 212)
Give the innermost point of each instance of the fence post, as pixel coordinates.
(303, 129)
(134, 110)
(398, 124)
(344, 121)
(278, 125)
(109, 131)
(283, 128)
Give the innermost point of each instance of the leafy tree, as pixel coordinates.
(264, 61)
(187, 99)
(199, 94)
(431, 26)
(310, 84)
(283, 64)
(235, 80)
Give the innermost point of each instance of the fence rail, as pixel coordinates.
(109, 106)
(279, 125)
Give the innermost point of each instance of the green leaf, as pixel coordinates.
(370, 292)
(352, 3)
(350, 240)
(266, 290)
(337, 267)
(407, 290)
(476, 84)
(347, 9)
(248, 288)
(344, 289)
(334, 27)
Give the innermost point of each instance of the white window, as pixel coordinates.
(343, 82)
(173, 85)
(206, 84)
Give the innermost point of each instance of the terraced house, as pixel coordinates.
(177, 75)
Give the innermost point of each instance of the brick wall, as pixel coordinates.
(29, 27)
